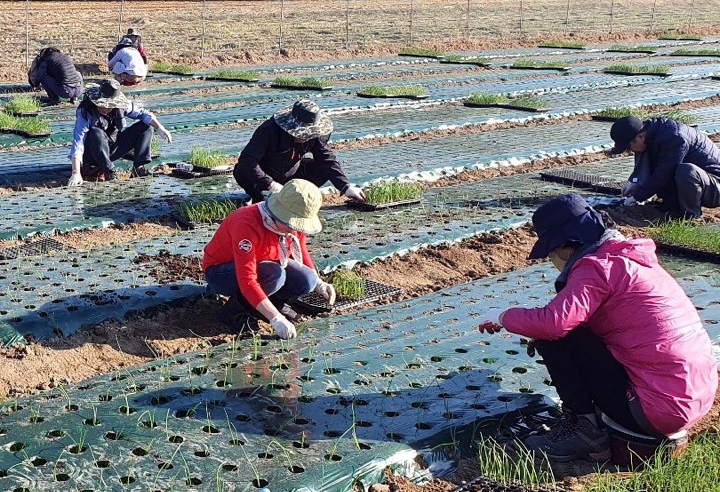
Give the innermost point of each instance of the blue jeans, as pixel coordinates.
(55, 90)
(280, 284)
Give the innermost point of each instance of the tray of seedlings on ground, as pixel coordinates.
(39, 247)
(466, 60)
(671, 36)
(351, 290)
(570, 45)
(25, 126)
(632, 49)
(192, 212)
(400, 91)
(574, 178)
(688, 238)
(388, 194)
(539, 65)
(421, 52)
(233, 75)
(300, 83)
(522, 103)
(23, 106)
(172, 68)
(205, 162)
(614, 114)
(696, 52)
(628, 69)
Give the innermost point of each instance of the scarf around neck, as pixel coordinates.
(287, 252)
(584, 250)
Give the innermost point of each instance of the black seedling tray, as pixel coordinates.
(574, 178)
(598, 117)
(506, 106)
(200, 172)
(695, 254)
(609, 188)
(313, 303)
(36, 248)
(379, 206)
(302, 87)
(425, 96)
(482, 484)
(420, 56)
(479, 64)
(647, 52)
(191, 74)
(230, 79)
(25, 134)
(579, 48)
(26, 115)
(187, 224)
(559, 69)
(692, 54)
(619, 72)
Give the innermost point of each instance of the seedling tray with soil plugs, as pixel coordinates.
(313, 303)
(172, 69)
(371, 207)
(233, 76)
(421, 53)
(696, 52)
(628, 70)
(42, 246)
(23, 106)
(407, 92)
(649, 50)
(695, 254)
(538, 65)
(521, 103)
(299, 84)
(689, 239)
(574, 178)
(470, 60)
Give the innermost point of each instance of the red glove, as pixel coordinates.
(489, 327)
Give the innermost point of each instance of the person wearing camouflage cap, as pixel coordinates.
(101, 137)
(276, 153)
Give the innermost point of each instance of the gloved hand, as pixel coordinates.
(493, 321)
(165, 133)
(75, 179)
(628, 189)
(275, 187)
(531, 350)
(630, 201)
(355, 193)
(326, 290)
(284, 328)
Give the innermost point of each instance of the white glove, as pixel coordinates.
(275, 187)
(628, 189)
(355, 193)
(630, 201)
(326, 290)
(75, 179)
(165, 133)
(284, 328)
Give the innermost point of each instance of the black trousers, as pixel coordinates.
(101, 152)
(586, 375)
(304, 169)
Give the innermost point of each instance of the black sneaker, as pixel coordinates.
(573, 438)
(139, 172)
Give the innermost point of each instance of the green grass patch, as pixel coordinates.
(679, 37)
(420, 52)
(633, 49)
(205, 211)
(394, 91)
(293, 81)
(28, 125)
(638, 69)
(554, 65)
(22, 104)
(561, 44)
(348, 284)
(171, 67)
(688, 234)
(474, 60)
(674, 114)
(205, 157)
(697, 52)
(392, 191)
(497, 99)
(235, 74)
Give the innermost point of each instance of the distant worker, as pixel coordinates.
(134, 36)
(127, 63)
(56, 73)
(674, 161)
(620, 337)
(259, 257)
(276, 152)
(100, 136)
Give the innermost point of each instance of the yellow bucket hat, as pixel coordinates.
(297, 205)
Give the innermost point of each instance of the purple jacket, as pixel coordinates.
(622, 294)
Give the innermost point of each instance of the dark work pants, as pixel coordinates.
(304, 169)
(695, 189)
(56, 90)
(100, 151)
(586, 375)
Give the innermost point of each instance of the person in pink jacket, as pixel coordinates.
(620, 337)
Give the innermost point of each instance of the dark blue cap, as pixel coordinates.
(623, 131)
(564, 219)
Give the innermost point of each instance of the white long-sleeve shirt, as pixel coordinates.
(128, 60)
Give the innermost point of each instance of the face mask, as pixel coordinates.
(557, 261)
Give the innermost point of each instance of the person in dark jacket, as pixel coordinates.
(275, 153)
(676, 162)
(56, 73)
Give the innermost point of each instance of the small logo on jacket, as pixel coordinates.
(245, 245)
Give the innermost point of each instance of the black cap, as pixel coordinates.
(623, 131)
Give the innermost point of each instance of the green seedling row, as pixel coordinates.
(394, 91)
(562, 44)
(679, 37)
(243, 75)
(698, 52)
(391, 191)
(22, 105)
(688, 235)
(552, 65)
(499, 99)
(676, 114)
(205, 211)
(291, 80)
(470, 60)
(633, 49)
(348, 284)
(205, 157)
(171, 67)
(421, 52)
(26, 125)
(637, 69)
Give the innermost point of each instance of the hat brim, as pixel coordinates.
(619, 148)
(541, 249)
(320, 128)
(308, 225)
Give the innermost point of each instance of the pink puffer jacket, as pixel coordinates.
(648, 323)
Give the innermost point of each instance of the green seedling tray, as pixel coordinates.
(505, 106)
(620, 72)
(559, 69)
(716, 55)
(478, 64)
(695, 254)
(169, 72)
(313, 303)
(388, 96)
(25, 134)
(420, 56)
(302, 87)
(30, 115)
(379, 206)
(646, 52)
(578, 48)
(230, 79)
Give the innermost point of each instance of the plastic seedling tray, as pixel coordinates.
(461, 62)
(35, 248)
(302, 87)
(577, 48)
(415, 55)
(379, 206)
(201, 171)
(20, 113)
(170, 72)
(695, 254)
(645, 52)
(230, 79)
(25, 134)
(622, 72)
(315, 304)
(599, 117)
(574, 178)
(559, 69)
(482, 484)
(505, 106)
(387, 96)
(695, 54)
(609, 188)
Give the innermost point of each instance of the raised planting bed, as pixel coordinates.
(203, 162)
(29, 127)
(466, 60)
(172, 69)
(679, 37)
(570, 45)
(539, 65)
(233, 75)
(388, 194)
(697, 52)
(401, 91)
(23, 106)
(613, 114)
(297, 83)
(688, 238)
(39, 247)
(421, 52)
(626, 69)
(372, 291)
(195, 211)
(632, 49)
(522, 103)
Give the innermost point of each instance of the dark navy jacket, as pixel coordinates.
(55, 64)
(669, 144)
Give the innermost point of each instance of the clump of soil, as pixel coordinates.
(169, 268)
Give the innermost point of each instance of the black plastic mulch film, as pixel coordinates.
(315, 303)
(38, 247)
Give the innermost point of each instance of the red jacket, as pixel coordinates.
(243, 239)
(622, 295)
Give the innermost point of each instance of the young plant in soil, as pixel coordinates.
(28, 125)
(699, 52)
(412, 51)
(22, 105)
(396, 91)
(562, 44)
(471, 60)
(687, 234)
(205, 157)
(624, 68)
(155, 146)
(348, 284)
(206, 211)
(392, 191)
(679, 37)
(633, 49)
(550, 65)
(496, 464)
(170, 67)
(290, 80)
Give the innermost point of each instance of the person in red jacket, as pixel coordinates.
(621, 336)
(259, 257)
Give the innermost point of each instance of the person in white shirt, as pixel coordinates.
(127, 64)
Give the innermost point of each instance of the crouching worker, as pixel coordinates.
(259, 257)
(56, 73)
(100, 136)
(621, 336)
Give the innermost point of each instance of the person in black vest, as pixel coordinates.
(56, 73)
(101, 137)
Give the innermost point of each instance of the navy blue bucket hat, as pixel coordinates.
(562, 220)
